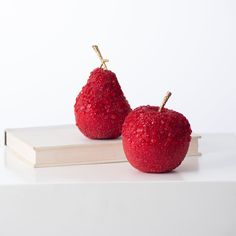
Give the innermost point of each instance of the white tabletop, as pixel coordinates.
(217, 163)
(198, 198)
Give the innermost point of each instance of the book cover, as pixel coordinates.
(66, 145)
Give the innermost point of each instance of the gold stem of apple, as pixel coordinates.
(103, 61)
(168, 94)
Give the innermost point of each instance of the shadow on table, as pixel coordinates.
(190, 164)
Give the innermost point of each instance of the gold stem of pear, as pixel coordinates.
(168, 94)
(103, 61)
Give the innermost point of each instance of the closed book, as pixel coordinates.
(66, 145)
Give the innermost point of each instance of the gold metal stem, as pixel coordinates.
(168, 94)
(103, 61)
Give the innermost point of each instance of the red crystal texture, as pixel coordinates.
(101, 106)
(155, 141)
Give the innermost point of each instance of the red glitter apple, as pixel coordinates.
(156, 139)
(101, 107)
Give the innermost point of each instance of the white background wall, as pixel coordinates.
(187, 47)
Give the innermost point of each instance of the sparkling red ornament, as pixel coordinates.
(101, 106)
(155, 141)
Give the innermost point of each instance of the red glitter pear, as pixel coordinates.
(101, 107)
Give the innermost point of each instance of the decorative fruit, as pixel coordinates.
(101, 106)
(156, 139)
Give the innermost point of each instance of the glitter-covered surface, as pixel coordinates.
(101, 106)
(155, 141)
